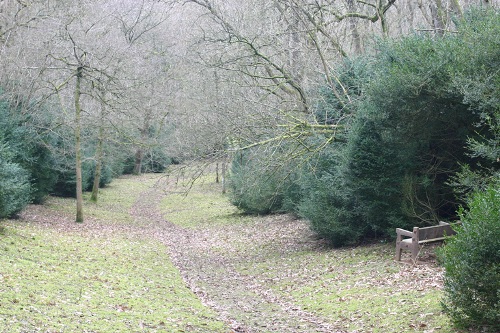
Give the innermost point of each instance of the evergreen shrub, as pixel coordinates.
(41, 168)
(416, 104)
(15, 188)
(113, 163)
(66, 179)
(28, 148)
(156, 161)
(256, 185)
(326, 199)
(476, 75)
(472, 264)
(352, 191)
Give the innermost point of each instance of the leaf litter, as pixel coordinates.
(271, 274)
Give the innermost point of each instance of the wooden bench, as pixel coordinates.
(420, 236)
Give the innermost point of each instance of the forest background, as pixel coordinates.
(360, 116)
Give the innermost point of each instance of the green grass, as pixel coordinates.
(61, 283)
(57, 281)
(357, 289)
(68, 281)
(200, 206)
(114, 201)
(355, 303)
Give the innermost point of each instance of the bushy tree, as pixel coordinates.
(476, 76)
(326, 201)
(256, 182)
(351, 78)
(66, 179)
(326, 197)
(155, 160)
(15, 188)
(343, 198)
(426, 118)
(471, 258)
(29, 147)
(472, 263)
(408, 135)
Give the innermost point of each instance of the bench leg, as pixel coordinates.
(414, 251)
(398, 252)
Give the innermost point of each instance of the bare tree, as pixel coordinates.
(148, 77)
(278, 52)
(75, 48)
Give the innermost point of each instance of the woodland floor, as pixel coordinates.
(252, 274)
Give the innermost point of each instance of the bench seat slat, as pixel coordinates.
(409, 240)
(431, 240)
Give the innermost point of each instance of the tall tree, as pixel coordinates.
(78, 142)
(149, 80)
(79, 49)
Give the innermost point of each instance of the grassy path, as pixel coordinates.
(215, 278)
(270, 274)
(150, 259)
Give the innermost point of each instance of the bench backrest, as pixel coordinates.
(437, 231)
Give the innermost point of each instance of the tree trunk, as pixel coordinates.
(78, 152)
(438, 17)
(383, 22)
(139, 154)
(457, 8)
(356, 38)
(294, 49)
(223, 177)
(98, 165)
(217, 172)
(100, 148)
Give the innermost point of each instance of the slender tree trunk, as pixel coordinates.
(78, 152)
(223, 177)
(457, 8)
(383, 22)
(98, 154)
(381, 8)
(98, 165)
(293, 49)
(438, 17)
(139, 154)
(217, 172)
(356, 38)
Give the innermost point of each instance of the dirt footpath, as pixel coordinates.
(208, 260)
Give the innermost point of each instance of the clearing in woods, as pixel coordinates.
(150, 258)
